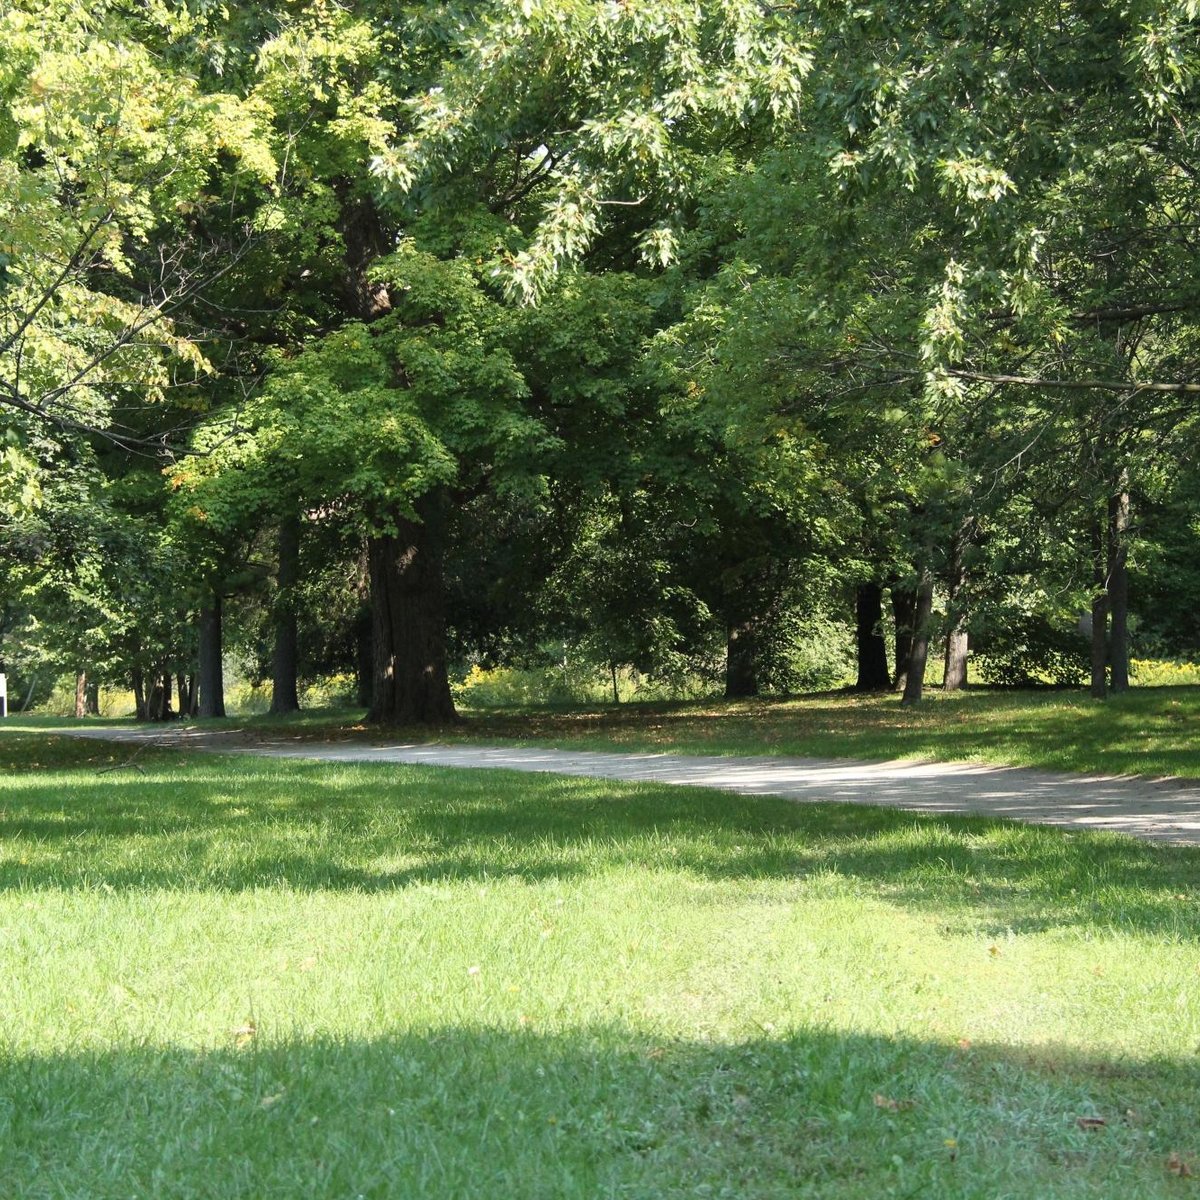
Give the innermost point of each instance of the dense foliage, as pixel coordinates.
(670, 337)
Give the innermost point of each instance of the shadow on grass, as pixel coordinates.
(600, 1111)
(240, 824)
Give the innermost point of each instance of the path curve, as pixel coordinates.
(1159, 810)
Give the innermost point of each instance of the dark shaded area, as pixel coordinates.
(601, 1111)
(871, 651)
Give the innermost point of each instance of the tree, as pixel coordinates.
(110, 155)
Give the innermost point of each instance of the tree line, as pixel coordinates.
(383, 338)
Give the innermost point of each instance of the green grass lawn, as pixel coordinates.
(230, 977)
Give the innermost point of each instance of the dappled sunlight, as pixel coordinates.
(235, 824)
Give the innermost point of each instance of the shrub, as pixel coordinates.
(1157, 672)
(1033, 649)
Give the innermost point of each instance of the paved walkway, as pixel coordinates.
(1161, 810)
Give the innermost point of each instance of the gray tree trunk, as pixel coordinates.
(954, 672)
(211, 679)
(285, 657)
(954, 676)
(904, 615)
(914, 683)
(1118, 590)
(137, 681)
(1099, 616)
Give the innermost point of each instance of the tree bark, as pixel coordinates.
(904, 614)
(364, 660)
(873, 674)
(284, 693)
(409, 621)
(954, 673)
(158, 704)
(1099, 617)
(138, 683)
(914, 683)
(1118, 590)
(81, 694)
(211, 679)
(186, 684)
(741, 660)
(364, 238)
(1099, 646)
(954, 676)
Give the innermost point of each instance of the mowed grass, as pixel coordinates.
(233, 977)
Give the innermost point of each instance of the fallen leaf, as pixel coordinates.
(994, 951)
(964, 1044)
(1178, 1166)
(886, 1102)
(243, 1035)
(270, 1101)
(1090, 1122)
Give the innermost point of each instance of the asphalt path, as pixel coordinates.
(1159, 810)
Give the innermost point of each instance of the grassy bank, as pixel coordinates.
(239, 978)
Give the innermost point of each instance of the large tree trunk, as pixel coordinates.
(1118, 590)
(211, 678)
(81, 694)
(873, 674)
(409, 622)
(741, 660)
(914, 683)
(284, 693)
(904, 614)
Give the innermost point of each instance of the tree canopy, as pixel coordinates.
(662, 329)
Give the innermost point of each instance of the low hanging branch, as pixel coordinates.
(1103, 385)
